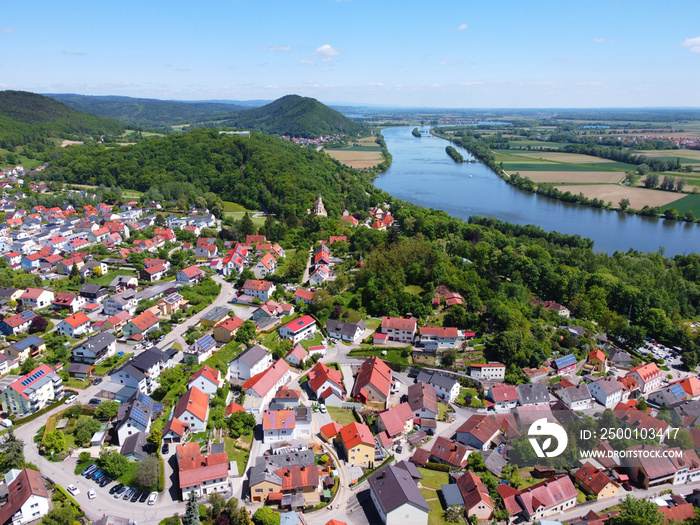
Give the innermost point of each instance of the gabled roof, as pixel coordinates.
(254, 284)
(252, 355)
(422, 395)
(233, 407)
(262, 383)
(195, 402)
(27, 483)
(565, 361)
(20, 318)
(394, 487)
(440, 331)
(398, 323)
(483, 428)
(194, 469)
(395, 418)
(32, 293)
(449, 452)
(354, 434)
(212, 374)
(77, 320)
(691, 385)
(175, 426)
(307, 295)
(331, 429)
(278, 420)
(473, 491)
(144, 320)
(376, 373)
(320, 373)
(192, 271)
(646, 372)
(300, 324)
(299, 352)
(590, 477)
(230, 323)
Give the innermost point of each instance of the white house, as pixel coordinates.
(278, 425)
(74, 326)
(576, 397)
(193, 409)
(259, 289)
(607, 391)
(299, 329)
(206, 379)
(27, 497)
(134, 416)
(487, 371)
(250, 362)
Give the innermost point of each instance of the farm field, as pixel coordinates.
(576, 177)
(638, 197)
(686, 156)
(689, 202)
(571, 158)
(356, 158)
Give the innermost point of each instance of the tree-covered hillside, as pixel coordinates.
(295, 116)
(27, 117)
(149, 113)
(260, 171)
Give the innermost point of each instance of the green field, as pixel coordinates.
(238, 215)
(131, 194)
(233, 207)
(28, 164)
(689, 202)
(413, 289)
(357, 148)
(341, 416)
(551, 166)
(109, 277)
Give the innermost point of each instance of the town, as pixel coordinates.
(148, 360)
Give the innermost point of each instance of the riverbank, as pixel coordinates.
(612, 197)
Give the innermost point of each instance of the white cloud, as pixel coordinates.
(693, 44)
(375, 84)
(443, 63)
(599, 40)
(308, 62)
(282, 49)
(8, 30)
(461, 27)
(328, 52)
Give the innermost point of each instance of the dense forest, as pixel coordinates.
(294, 116)
(260, 171)
(30, 120)
(149, 113)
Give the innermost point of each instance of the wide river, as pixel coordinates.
(422, 173)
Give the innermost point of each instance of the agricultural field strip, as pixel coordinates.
(513, 162)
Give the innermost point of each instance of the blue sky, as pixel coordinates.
(457, 53)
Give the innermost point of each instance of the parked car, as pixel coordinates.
(322, 408)
(152, 498)
(166, 448)
(116, 488)
(97, 381)
(91, 494)
(118, 493)
(128, 493)
(135, 496)
(88, 470)
(94, 401)
(105, 481)
(71, 398)
(144, 497)
(627, 487)
(73, 490)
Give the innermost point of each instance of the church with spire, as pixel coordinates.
(319, 209)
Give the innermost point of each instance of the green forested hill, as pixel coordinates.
(27, 118)
(151, 113)
(260, 171)
(295, 116)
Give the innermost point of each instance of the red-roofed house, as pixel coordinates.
(503, 396)
(306, 296)
(477, 501)
(691, 385)
(449, 452)
(436, 338)
(68, 301)
(233, 407)
(267, 265)
(647, 376)
(396, 421)
(203, 475)
(301, 328)
(261, 387)
(193, 409)
(487, 371)
(258, 289)
(297, 355)
(74, 326)
(358, 443)
(551, 497)
(373, 382)
(175, 431)
(479, 432)
(206, 379)
(225, 331)
(142, 324)
(27, 498)
(593, 481)
(32, 391)
(35, 298)
(597, 361)
(325, 381)
(278, 425)
(190, 275)
(398, 329)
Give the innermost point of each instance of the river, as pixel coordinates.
(422, 173)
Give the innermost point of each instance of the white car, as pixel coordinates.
(70, 399)
(91, 494)
(73, 490)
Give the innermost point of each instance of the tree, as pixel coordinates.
(12, 452)
(107, 409)
(38, 324)
(54, 442)
(240, 423)
(247, 227)
(637, 512)
(191, 511)
(651, 180)
(682, 439)
(454, 513)
(113, 463)
(680, 184)
(642, 404)
(216, 505)
(624, 204)
(159, 220)
(155, 437)
(28, 365)
(265, 516)
(643, 169)
(64, 515)
(85, 428)
(246, 332)
(147, 472)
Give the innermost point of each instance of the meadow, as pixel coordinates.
(365, 153)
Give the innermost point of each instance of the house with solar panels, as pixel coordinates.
(564, 365)
(32, 391)
(134, 416)
(18, 323)
(202, 349)
(669, 396)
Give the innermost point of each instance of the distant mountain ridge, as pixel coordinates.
(149, 112)
(28, 117)
(290, 115)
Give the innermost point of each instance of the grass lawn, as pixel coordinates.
(433, 478)
(82, 465)
(109, 277)
(341, 415)
(394, 355)
(442, 410)
(413, 289)
(76, 383)
(435, 517)
(131, 194)
(128, 477)
(225, 355)
(429, 493)
(464, 393)
(233, 207)
(110, 363)
(238, 215)
(316, 341)
(236, 453)
(373, 324)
